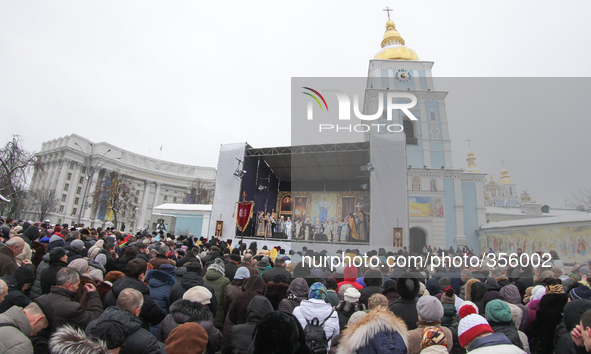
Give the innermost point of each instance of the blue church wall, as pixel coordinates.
(415, 158)
(432, 105)
(437, 159)
(470, 214)
(449, 199)
(436, 146)
(436, 136)
(423, 80)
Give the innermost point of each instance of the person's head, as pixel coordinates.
(187, 335)
(68, 278)
(377, 300)
(280, 262)
(586, 329)
(68, 340)
(36, 316)
(431, 336)
(279, 332)
(466, 274)
(16, 245)
(429, 309)
(3, 290)
(317, 291)
(136, 268)
(471, 327)
(81, 265)
(130, 301)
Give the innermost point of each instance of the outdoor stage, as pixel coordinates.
(361, 187)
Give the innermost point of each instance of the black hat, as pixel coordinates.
(407, 287)
(47, 308)
(56, 254)
(235, 257)
(24, 274)
(114, 333)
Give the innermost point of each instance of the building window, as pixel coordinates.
(66, 186)
(165, 198)
(432, 114)
(137, 192)
(81, 180)
(59, 221)
(136, 200)
(78, 190)
(74, 211)
(76, 200)
(72, 164)
(409, 130)
(61, 210)
(69, 177)
(83, 169)
(64, 197)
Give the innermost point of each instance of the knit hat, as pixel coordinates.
(356, 316)
(554, 289)
(341, 291)
(187, 338)
(101, 259)
(429, 308)
(24, 274)
(467, 308)
(56, 254)
(77, 244)
(538, 292)
(242, 273)
(471, 327)
(432, 336)
(498, 311)
(352, 295)
(80, 264)
(582, 292)
(235, 258)
(444, 283)
(44, 239)
(113, 333)
(219, 266)
(376, 300)
(317, 273)
(318, 291)
(198, 294)
(448, 296)
(57, 229)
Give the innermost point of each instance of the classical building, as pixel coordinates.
(73, 166)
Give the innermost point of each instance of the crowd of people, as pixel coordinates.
(85, 290)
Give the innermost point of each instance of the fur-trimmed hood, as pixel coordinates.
(183, 311)
(469, 288)
(376, 321)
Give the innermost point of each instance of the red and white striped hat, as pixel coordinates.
(471, 327)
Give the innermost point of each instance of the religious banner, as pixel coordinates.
(397, 237)
(219, 226)
(244, 214)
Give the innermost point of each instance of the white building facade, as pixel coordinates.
(73, 166)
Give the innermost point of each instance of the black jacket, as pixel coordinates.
(48, 276)
(508, 329)
(151, 313)
(183, 311)
(273, 272)
(549, 315)
(111, 262)
(72, 253)
(230, 270)
(189, 280)
(68, 311)
(190, 257)
(572, 317)
(138, 339)
(406, 310)
(369, 291)
(15, 295)
(241, 335)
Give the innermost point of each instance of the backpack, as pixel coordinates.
(315, 336)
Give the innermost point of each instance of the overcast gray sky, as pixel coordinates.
(190, 75)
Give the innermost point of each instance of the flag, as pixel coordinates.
(161, 147)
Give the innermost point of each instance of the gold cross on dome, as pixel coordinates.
(387, 9)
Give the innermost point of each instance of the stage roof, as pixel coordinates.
(326, 162)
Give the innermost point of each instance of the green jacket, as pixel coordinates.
(219, 283)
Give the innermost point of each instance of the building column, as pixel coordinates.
(461, 238)
(143, 207)
(72, 194)
(156, 200)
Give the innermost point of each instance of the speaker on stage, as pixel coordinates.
(320, 237)
(280, 235)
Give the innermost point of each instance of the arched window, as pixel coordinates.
(409, 130)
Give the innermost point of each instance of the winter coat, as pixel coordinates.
(475, 292)
(138, 340)
(241, 335)
(350, 277)
(159, 285)
(72, 253)
(273, 272)
(7, 262)
(493, 344)
(449, 313)
(407, 311)
(111, 264)
(509, 329)
(252, 286)
(230, 270)
(15, 296)
(68, 311)
(277, 292)
(14, 337)
(572, 317)
(232, 291)
(36, 288)
(189, 280)
(48, 276)
(369, 291)
(548, 317)
(219, 283)
(159, 260)
(313, 308)
(433, 283)
(524, 281)
(190, 257)
(151, 313)
(414, 337)
(331, 297)
(345, 309)
(512, 296)
(378, 332)
(95, 249)
(456, 279)
(391, 294)
(183, 311)
(297, 291)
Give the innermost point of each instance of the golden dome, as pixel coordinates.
(393, 47)
(471, 163)
(505, 178)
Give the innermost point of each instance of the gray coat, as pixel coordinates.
(13, 339)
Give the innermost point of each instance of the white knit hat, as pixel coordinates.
(471, 327)
(352, 295)
(198, 294)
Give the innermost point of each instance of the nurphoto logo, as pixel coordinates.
(344, 110)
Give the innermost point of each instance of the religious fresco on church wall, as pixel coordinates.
(426, 206)
(571, 243)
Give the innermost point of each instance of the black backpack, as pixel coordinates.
(315, 336)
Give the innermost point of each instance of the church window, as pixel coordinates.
(409, 130)
(432, 114)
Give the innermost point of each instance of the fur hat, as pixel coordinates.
(581, 292)
(471, 327)
(498, 311)
(68, 340)
(376, 300)
(188, 337)
(242, 273)
(356, 316)
(318, 291)
(198, 294)
(407, 287)
(219, 266)
(80, 264)
(432, 336)
(351, 295)
(429, 309)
